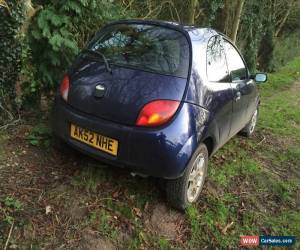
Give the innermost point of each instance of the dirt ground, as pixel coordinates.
(57, 208)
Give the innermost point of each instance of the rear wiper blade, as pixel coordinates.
(97, 53)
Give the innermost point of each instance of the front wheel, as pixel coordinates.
(186, 190)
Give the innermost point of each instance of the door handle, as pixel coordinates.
(237, 96)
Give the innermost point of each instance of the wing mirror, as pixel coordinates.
(260, 77)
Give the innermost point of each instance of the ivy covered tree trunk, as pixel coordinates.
(250, 51)
(251, 29)
(266, 49)
(11, 18)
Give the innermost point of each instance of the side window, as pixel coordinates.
(216, 67)
(235, 63)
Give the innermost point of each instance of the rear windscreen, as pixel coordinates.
(146, 47)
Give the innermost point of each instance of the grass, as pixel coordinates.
(281, 79)
(280, 114)
(252, 189)
(286, 49)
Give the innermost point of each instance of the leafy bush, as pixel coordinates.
(40, 135)
(57, 34)
(8, 207)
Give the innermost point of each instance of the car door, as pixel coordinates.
(220, 98)
(242, 86)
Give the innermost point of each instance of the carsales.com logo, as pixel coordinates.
(267, 240)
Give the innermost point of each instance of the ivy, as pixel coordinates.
(11, 20)
(210, 8)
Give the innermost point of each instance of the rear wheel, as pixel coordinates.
(186, 190)
(248, 130)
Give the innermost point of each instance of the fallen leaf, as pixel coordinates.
(115, 194)
(48, 210)
(137, 212)
(227, 227)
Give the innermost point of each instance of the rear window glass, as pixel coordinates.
(146, 47)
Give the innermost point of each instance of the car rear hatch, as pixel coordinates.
(148, 63)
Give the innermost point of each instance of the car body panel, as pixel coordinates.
(239, 106)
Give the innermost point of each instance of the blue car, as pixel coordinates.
(157, 98)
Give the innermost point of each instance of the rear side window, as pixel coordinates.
(235, 63)
(146, 47)
(216, 67)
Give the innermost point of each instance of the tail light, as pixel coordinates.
(157, 113)
(64, 88)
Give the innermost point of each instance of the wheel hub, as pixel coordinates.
(253, 121)
(196, 179)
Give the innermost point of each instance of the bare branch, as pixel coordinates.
(284, 19)
(9, 234)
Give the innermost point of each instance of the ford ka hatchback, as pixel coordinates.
(157, 98)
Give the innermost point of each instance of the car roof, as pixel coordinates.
(190, 30)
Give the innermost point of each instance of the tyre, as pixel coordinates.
(186, 190)
(248, 130)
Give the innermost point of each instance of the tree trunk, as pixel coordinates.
(222, 18)
(192, 11)
(236, 21)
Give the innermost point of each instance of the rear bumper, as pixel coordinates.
(162, 152)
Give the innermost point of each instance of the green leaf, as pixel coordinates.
(34, 142)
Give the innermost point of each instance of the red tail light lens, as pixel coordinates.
(64, 88)
(157, 113)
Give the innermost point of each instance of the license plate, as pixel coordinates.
(95, 140)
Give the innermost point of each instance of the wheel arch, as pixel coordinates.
(210, 143)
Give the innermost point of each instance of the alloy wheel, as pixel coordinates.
(196, 178)
(253, 122)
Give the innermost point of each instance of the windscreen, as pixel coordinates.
(146, 47)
